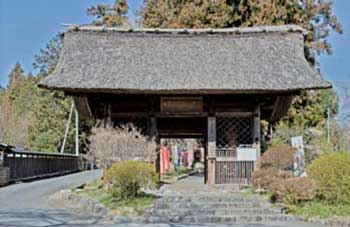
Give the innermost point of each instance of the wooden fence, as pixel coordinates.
(234, 172)
(29, 165)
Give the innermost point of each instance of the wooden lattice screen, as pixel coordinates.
(232, 132)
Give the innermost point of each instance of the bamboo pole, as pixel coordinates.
(67, 128)
(76, 131)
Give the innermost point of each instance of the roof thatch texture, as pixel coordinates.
(263, 59)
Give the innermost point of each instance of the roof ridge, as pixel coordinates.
(234, 30)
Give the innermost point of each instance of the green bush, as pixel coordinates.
(331, 174)
(126, 178)
(293, 191)
(279, 157)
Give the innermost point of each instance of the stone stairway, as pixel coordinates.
(213, 207)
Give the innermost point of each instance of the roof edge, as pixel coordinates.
(181, 91)
(290, 28)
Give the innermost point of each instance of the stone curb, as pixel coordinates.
(330, 221)
(85, 204)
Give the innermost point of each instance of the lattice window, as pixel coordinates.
(233, 131)
(140, 123)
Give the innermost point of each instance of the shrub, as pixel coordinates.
(126, 178)
(331, 174)
(109, 145)
(264, 178)
(278, 157)
(293, 191)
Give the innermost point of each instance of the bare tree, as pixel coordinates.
(109, 145)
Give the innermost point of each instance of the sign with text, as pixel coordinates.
(246, 154)
(299, 155)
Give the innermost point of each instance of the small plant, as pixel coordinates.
(264, 178)
(125, 179)
(279, 157)
(331, 174)
(293, 191)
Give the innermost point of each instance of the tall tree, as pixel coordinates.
(50, 109)
(17, 100)
(110, 15)
(316, 16)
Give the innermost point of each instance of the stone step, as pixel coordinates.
(219, 211)
(208, 205)
(217, 219)
(210, 199)
(237, 219)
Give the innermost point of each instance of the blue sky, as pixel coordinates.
(26, 26)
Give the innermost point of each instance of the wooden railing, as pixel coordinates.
(29, 165)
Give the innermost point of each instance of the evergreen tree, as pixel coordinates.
(17, 100)
(50, 109)
(315, 16)
(47, 59)
(108, 15)
(2, 92)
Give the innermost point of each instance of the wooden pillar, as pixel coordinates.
(154, 135)
(256, 135)
(108, 116)
(211, 150)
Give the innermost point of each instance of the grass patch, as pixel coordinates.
(321, 210)
(119, 206)
(178, 172)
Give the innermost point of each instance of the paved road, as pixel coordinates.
(28, 205)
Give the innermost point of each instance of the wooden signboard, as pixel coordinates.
(179, 105)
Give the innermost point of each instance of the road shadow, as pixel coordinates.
(46, 218)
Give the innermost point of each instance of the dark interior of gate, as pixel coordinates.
(228, 124)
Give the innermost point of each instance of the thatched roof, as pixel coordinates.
(260, 59)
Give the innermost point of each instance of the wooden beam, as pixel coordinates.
(129, 114)
(87, 106)
(184, 114)
(153, 127)
(233, 114)
(154, 135)
(82, 104)
(108, 120)
(257, 134)
(275, 106)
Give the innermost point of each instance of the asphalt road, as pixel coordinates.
(28, 205)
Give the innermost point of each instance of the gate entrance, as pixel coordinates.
(181, 157)
(182, 146)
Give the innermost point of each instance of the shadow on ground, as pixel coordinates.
(46, 218)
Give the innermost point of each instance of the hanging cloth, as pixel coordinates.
(164, 160)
